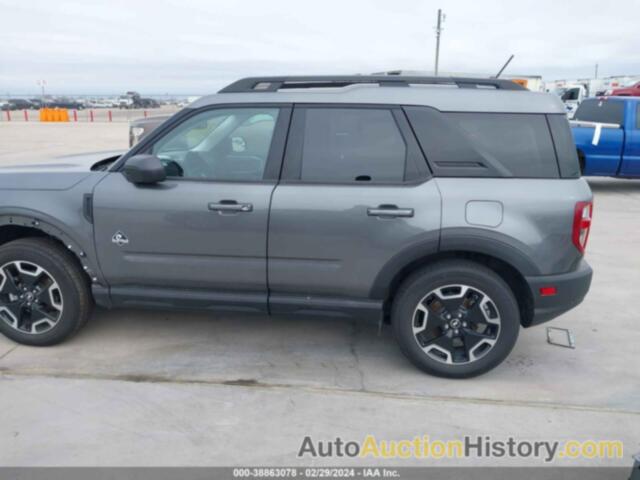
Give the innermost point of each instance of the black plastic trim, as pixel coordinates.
(180, 299)
(427, 246)
(572, 288)
(462, 239)
(87, 207)
(282, 304)
(489, 242)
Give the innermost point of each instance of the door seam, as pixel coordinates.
(273, 191)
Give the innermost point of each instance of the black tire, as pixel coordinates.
(452, 272)
(73, 286)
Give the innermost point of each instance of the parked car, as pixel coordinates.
(63, 102)
(607, 136)
(36, 103)
(17, 104)
(141, 127)
(457, 215)
(134, 100)
(631, 91)
(572, 96)
(149, 103)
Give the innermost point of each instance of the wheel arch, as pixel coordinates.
(513, 273)
(14, 227)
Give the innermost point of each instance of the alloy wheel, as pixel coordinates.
(30, 298)
(456, 324)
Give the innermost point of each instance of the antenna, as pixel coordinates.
(505, 66)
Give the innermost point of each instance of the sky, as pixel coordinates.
(194, 47)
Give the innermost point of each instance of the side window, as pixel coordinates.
(351, 145)
(521, 143)
(485, 144)
(601, 111)
(220, 144)
(565, 146)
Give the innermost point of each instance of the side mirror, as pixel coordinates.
(144, 169)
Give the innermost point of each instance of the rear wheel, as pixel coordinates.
(455, 319)
(44, 296)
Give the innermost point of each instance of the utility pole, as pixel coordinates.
(441, 18)
(596, 70)
(42, 84)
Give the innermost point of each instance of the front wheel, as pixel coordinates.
(455, 319)
(44, 296)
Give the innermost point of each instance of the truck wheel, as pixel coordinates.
(455, 319)
(44, 296)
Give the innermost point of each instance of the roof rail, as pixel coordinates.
(272, 84)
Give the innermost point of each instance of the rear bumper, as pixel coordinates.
(571, 290)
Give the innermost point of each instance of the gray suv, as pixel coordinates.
(451, 208)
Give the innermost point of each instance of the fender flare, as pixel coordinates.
(55, 229)
(455, 240)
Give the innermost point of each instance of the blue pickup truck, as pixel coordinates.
(607, 135)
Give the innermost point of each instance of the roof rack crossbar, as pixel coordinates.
(273, 84)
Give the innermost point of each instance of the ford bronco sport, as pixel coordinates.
(452, 208)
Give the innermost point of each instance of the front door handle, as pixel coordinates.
(390, 211)
(230, 206)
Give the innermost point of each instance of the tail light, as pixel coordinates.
(582, 224)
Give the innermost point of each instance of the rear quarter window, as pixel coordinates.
(485, 144)
(565, 146)
(601, 111)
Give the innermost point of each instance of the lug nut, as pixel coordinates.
(464, 324)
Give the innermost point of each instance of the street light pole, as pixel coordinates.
(42, 83)
(438, 32)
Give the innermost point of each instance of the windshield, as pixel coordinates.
(570, 94)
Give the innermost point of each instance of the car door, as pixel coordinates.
(355, 195)
(631, 157)
(602, 145)
(199, 237)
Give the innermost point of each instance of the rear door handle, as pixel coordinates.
(231, 206)
(390, 211)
